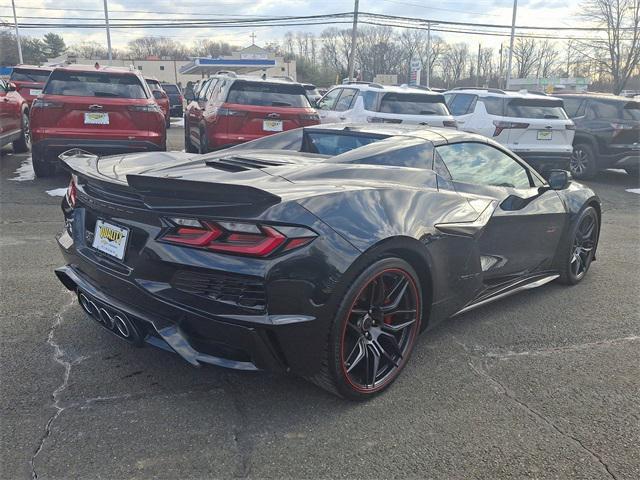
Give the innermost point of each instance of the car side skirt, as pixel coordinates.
(519, 286)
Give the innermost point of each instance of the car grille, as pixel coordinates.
(225, 288)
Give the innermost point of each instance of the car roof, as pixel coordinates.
(91, 68)
(598, 95)
(492, 92)
(33, 67)
(375, 87)
(436, 135)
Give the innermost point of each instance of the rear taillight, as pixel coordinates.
(40, 103)
(227, 112)
(72, 192)
(149, 108)
(500, 126)
(310, 117)
(236, 238)
(450, 124)
(383, 120)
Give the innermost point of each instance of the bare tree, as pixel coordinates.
(548, 59)
(619, 51)
(144, 47)
(526, 55)
(454, 62)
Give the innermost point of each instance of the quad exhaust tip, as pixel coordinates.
(113, 320)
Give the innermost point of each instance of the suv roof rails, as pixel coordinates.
(228, 73)
(360, 82)
(492, 90)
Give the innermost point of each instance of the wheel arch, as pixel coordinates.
(413, 252)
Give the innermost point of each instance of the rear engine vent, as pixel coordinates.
(241, 291)
(239, 164)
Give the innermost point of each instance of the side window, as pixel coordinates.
(329, 100)
(481, 164)
(572, 106)
(210, 89)
(493, 105)
(369, 99)
(203, 90)
(346, 99)
(599, 109)
(3, 86)
(462, 103)
(439, 167)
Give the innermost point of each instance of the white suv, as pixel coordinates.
(534, 126)
(369, 102)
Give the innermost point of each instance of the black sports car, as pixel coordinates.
(322, 251)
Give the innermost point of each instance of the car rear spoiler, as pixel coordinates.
(175, 193)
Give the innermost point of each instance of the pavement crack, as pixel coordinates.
(58, 357)
(240, 438)
(504, 390)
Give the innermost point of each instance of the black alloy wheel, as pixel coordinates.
(23, 144)
(583, 242)
(374, 331)
(582, 163)
(203, 146)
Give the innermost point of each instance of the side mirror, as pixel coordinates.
(558, 179)
(159, 94)
(12, 87)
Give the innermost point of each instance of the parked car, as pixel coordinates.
(105, 110)
(14, 118)
(535, 126)
(176, 99)
(161, 98)
(294, 253)
(312, 93)
(230, 110)
(374, 103)
(29, 80)
(607, 133)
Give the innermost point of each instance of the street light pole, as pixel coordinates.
(354, 33)
(428, 72)
(15, 21)
(513, 33)
(106, 20)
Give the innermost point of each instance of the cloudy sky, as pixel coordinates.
(530, 12)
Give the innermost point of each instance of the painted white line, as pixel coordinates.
(178, 123)
(634, 190)
(24, 172)
(58, 192)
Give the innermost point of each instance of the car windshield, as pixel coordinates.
(154, 84)
(94, 84)
(525, 108)
(330, 143)
(413, 104)
(24, 75)
(632, 111)
(170, 88)
(268, 94)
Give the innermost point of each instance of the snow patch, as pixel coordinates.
(58, 192)
(24, 172)
(634, 190)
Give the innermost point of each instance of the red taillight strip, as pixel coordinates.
(196, 237)
(259, 248)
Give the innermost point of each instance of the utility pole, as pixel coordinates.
(428, 53)
(478, 66)
(15, 22)
(513, 33)
(106, 19)
(500, 68)
(354, 34)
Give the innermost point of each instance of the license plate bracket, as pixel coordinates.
(110, 239)
(272, 125)
(545, 135)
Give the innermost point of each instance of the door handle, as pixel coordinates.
(343, 118)
(95, 106)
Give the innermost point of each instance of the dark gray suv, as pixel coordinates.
(607, 133)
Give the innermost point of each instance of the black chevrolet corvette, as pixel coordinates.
(322, 251)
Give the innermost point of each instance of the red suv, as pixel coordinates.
(161, 97)
(29, 80)
(104, 110)
(229, 110)
(14, 118)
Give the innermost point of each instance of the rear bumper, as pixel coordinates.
(545, 161)
(623, 157)
(49, 148)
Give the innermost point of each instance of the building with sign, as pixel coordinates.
(551, 84)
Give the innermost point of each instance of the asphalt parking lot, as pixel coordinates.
(545, 384)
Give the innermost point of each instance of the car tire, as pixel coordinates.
(188, 146)
(23, 144)
(203, 146)
(168, 122)
(41, 167)
(367, 349)
(633, 171)
(583, 162)
(580, 246)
